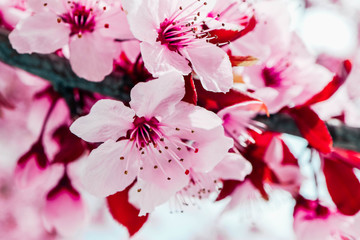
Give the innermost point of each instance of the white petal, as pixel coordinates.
(159, 59)
(40, 33)
(158, 97)
(92, 56)
(108, 119)
(213, 67)
(104, 173)
(233, 166)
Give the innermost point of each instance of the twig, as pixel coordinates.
(343, 136)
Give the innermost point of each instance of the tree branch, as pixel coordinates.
(343, 136)
(57, 70)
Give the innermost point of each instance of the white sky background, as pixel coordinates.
(323, 30)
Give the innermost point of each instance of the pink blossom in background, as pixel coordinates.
(88, 27)
(65, 210)
(344, 104)
(314, 221)
(286, 73)
(19, 211)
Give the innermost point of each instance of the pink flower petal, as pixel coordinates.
(40, 33)
(143, 27)
(149, 197)
(159, 59)
(233, 166)
(211, 143)
(117, 25)
(38, 6)
(197, 118)
(91, 56)
(108, 119)
(109, 169)
(213, 67)
(168, 176)
(274, 153)
(30, 174)
(158, 97)
(65, 212)
(212, 148)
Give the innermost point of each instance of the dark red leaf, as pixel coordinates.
(289, 158)
(313, 207)
(124, 212)
(347, 156)
(63, 184)
(190, 91)
(216, 101)
(312, 128)
(71, 147)
(343, 185)
(228, 35)
(255, 154)
(228, 188)
(337, 81)
(37, 151)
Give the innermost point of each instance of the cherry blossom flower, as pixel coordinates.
(159, 140)
(172, 38)
(89, 27)
(286, 73)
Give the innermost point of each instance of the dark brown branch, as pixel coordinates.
(57, 70)
(343, 136)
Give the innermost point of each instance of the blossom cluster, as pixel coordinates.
(199, 75)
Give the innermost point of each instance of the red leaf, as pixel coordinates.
(289, 158)
(312, 128)
(313, 207)
(124, 212)
(228, 35)
(347, 156)
(343, 185)
(216, 101)
(255, 154)
(332, 86)
(228, 188)
(190, 90)
(71, 147)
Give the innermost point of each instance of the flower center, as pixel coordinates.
(149, 138)
(183, 28)
(145, 131)
(271, 77)
(274, 76)
(81, 19)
